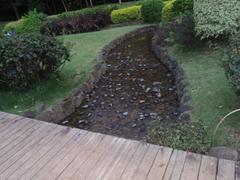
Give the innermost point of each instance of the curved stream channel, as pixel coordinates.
(129, 96)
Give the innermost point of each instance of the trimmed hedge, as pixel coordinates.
(28, 58)
(126, 15)
(152, 11)
(72, 25)
(167, 11)
(181, 6)
(216, 17)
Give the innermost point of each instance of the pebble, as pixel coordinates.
(155, 89)
(125, 113)
(158, 95)
(147, 90)
(142, 101)
(153, 115)
(64, 122)
(134, 125)
(85, 106)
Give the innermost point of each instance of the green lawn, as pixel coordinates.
(212, 95)
(84, 50)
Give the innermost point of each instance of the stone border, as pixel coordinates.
(180, 79)
(68, 105)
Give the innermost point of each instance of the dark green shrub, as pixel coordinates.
(232, 61)
(183, 29)
(126, 15)
(25, 59)
(167, 11)
(31, 22)
(152, 11)
(79, 24)
(181, 6)
(189, 136)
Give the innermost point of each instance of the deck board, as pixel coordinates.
(32, 149)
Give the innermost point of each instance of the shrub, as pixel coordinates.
(126, 14)
(30, 22)
(183, 29)
(167, 11)
(89, 11)
(189, 136)
(152, 10)
(232, 61)
(71, 25)
(28, 58)
(215, 18)
(181, 6)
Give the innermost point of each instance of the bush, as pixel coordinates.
(89, 11)
(189, 136)
(181, 6)
(167, 11)
(215, 18)
(152, 11)
(183, 29)
(232, 61)
(28, 58)
(71, 25)
(126, 15)
(31, 22)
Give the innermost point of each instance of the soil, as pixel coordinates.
(135, 90)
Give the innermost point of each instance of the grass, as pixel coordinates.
(84, 51)
(212, 95)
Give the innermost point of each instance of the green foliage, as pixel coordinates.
(31, 22)
(167, 11)
(232, 61)
(216, 17)
(181, 6)
(189, 136)
(127, 14)
(152, 11)
(28, 58)
(88, 11)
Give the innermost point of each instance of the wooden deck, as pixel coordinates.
(31, 149)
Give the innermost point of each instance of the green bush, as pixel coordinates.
(181, 6)
(167, 11)
(232, 61)
(28, 58)
(127, 14)
(152, 11)
(189, 136)
(31, 22)
(216, 17)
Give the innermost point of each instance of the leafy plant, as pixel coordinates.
(14, 26)
(189, 136)
(28, 58)
(232, 61)
(126, 15)
(183, 29)
(215, 18)
(167, 11)
(71, 25)
(181, 6)
(152, 11)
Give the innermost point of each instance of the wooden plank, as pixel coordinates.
(17, 136)
(66, 149)
(208, 168)
(191, 167)
(103, 164)
(84, 155)
(175, 165)
(134, 162)
(107, 144)
(117, 168)
(8, 119)
(12, 156)
(226, 170)
(160, 164)
(66, 134)
(86, 143)
(146, 163)
(34, 151)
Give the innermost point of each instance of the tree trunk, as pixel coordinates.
(91, 3)
(64, 5)
(86, 2)
(120, 1)
(15, 11)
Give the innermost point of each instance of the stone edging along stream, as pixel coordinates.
(69, 104)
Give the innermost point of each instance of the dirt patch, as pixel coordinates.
(128, 97)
